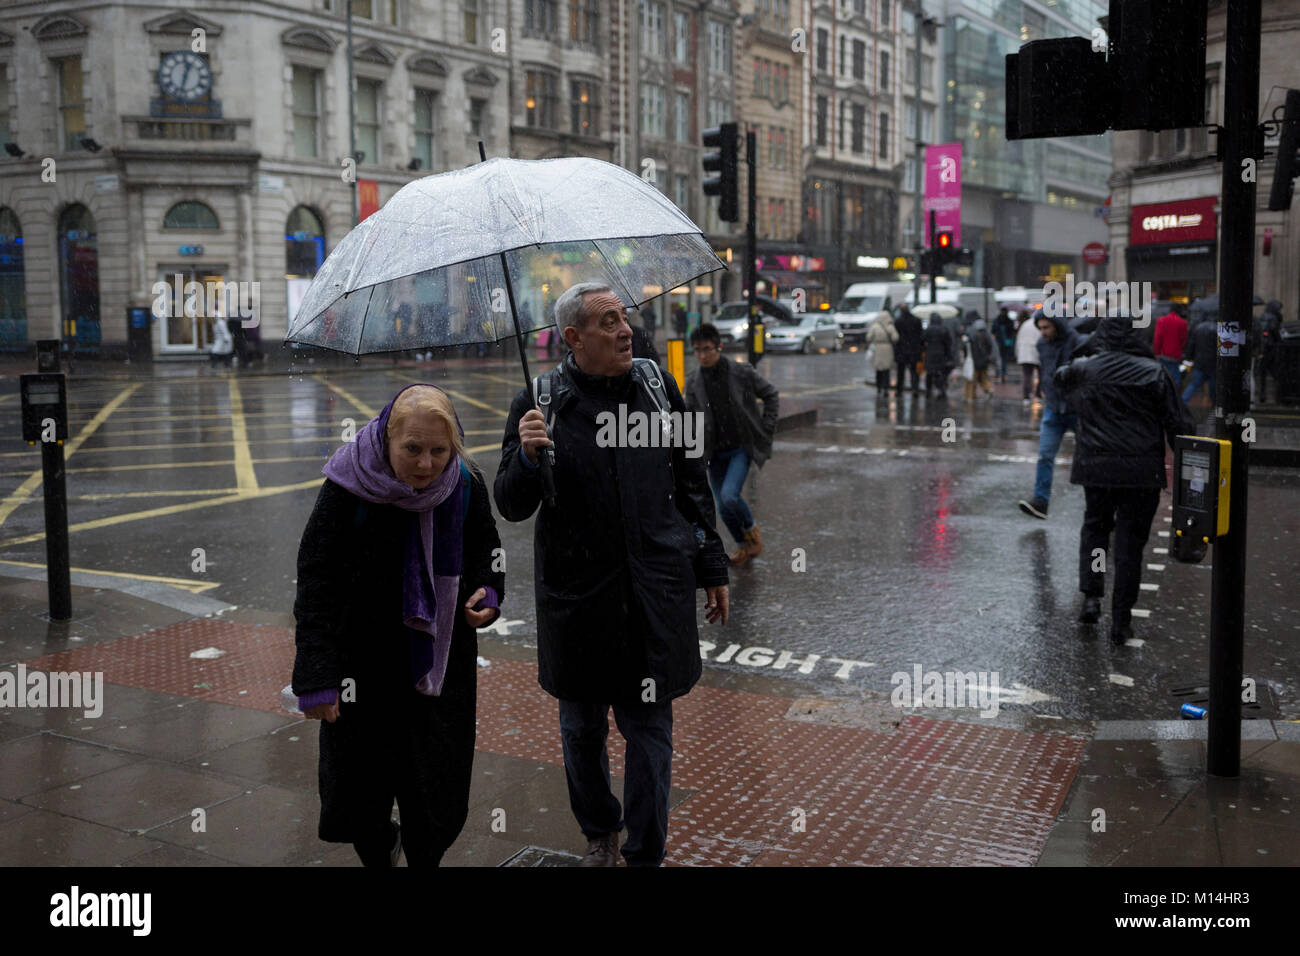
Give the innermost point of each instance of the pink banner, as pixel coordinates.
(943, 189)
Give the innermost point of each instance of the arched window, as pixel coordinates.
(304, 243)
(79, 277)
(13, 288)
(191, 215)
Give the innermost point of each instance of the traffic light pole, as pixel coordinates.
(934, 257)
(1232, 404)
(751, 244)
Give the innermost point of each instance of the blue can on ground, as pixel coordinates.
(1192, 712)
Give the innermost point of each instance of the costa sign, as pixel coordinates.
(1188, 220)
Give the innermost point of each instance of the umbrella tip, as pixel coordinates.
(482, 156)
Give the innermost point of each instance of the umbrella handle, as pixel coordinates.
(547, 461)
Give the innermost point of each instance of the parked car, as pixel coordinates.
(813, 331)
(732, 320)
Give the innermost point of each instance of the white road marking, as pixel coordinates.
(1149, 587)
(1159, 550)
(1138, 612)
(1120, 679)
(1155, 567)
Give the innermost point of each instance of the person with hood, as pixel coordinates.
(939, 357)
(910, 347)
(1128, 410)
(223, 346)
(1056, 346)
(1269, 329)
(1004, 334)
(881, 338)
(981, 351)
(396, 570)
(617, 561)
(1169, 341)
(1027, 339)
(1202, 351)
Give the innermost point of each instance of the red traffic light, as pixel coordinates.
(945, 240)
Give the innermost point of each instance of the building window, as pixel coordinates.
(426, 110)
(368, 120)
(839, 133)
(362, 9)
(652, 110)
(885, 12)
(859, 129)
(13, 284)
(653, 41)
(584, 22)
(682, 117)
(477, 117)
(884, 136)
(860, 7)
(844, 60)
(759, 86)
(306, 111)
(469, 18)
(541, 16)
(819, 128)
(190, 215)
(927, 125)
(72, 104)
(304, 243)
(682, 193)
(719, 112)
(539, 99)
(823, 50)
(6, 136)
(719, 47)
(884, 69)
(859, 60)
(927, 72)
(680, 38)
(584, 106)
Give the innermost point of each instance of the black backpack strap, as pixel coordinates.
(649, 375)
(542, 397)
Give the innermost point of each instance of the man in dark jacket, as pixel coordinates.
(735, 435)
(617, 561)
(1202, 350)
(1128, 409)
(1004, 334)
(939, 357)
(910, 346)
(1055, 348)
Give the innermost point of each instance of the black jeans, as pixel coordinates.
(908, 367)
(936, 381)
(648, 730)
(882, 379)
(1128, 512)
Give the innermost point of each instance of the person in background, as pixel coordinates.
(1269, 329)
(1004, 334)
(1169, 341)
(881, 338)
(223, 346)
(939, 358)
(982, 348)
(1202, 352)
(1056, 346)
(1027, 357)
(679, 319)
(910, 346)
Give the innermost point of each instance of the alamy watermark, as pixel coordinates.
(651, 430)
(56, 689)
(1088, 300)
(213, 299)
(977, 690)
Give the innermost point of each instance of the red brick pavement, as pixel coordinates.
(933, 792)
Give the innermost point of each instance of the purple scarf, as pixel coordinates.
(432, 561)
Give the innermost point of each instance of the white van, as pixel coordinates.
(862, 301)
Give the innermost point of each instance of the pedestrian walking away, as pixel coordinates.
(982, 349)
(736, 434)
(1269, 328)
(1027, 338)
(939, 358)
(1202, 351)
(617, 561)
(223, 346)
(1004, 334)
(1056, 346)
(910, 347)
(395, 573)
(1128, 410)
(1169, 342)
(881, 338)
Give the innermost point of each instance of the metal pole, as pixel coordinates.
(1236, 291)
(920, 161)
(751, 243)
(58, 576)
(934, 260)
(352, 120)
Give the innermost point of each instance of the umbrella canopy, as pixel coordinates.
(427, 269)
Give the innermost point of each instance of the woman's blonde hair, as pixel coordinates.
(427, 400)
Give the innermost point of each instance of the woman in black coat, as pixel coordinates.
(939, 357)
(396, 570)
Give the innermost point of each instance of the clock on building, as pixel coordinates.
(184, 76)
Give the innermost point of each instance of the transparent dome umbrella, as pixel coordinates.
(479, 254)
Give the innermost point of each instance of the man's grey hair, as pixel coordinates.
(568, 307)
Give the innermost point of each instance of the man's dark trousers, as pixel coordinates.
(908, 367)
(1129, 512)
(648, 730)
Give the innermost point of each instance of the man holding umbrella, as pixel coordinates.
(618, 559)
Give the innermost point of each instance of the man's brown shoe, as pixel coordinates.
(602, 851)
(755, 541)
(740, 557)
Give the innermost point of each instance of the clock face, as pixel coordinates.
(184, 76)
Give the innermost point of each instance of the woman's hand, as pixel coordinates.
(328, 712)
(477, 619)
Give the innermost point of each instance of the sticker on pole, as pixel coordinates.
(1231, 338)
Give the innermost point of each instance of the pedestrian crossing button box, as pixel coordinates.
(44, 397)
(1202, 490)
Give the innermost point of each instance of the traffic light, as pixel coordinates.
(723, 165)
(1288, 162)
(1056, 88)
(943, 252)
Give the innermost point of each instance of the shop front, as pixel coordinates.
(1174, 246)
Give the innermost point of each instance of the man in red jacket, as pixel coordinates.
(1171, 337)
